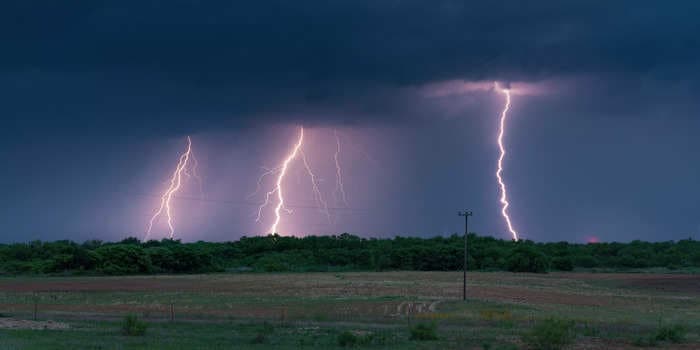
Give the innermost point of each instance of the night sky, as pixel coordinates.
(98, 97)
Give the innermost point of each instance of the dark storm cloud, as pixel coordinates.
(95, 96)
(112, 63)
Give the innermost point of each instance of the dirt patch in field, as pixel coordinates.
(578, 289)
(665, 283)
(524, 296)
(686, 284)
(11, 323)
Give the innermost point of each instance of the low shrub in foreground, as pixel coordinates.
(551, 334)
(424, 331)
(132, 326)
(349, 339)
(259, 338)
(675, 333)
(262, 333)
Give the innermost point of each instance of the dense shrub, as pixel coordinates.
(337, 253)
(526, 258)
(586, 261)
(562, 264)
(122, 259)
(162, 259)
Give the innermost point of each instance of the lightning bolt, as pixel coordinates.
(323, 206)
(501, 134)
(175, 184)
(339, 188)
(192, 173)
(281, 170)
(278, 190)
(257, 189)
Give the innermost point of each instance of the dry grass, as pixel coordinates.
(499, 303)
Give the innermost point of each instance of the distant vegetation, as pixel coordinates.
(337, 253)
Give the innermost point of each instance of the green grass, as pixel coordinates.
(107, 335)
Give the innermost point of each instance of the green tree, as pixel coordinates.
(121, 259)
(526, 258)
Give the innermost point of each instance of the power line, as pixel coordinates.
(238, 203)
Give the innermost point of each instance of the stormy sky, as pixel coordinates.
(98, 97)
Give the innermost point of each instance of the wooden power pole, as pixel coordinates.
(466, 215)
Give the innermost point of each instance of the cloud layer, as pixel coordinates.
(117, 62)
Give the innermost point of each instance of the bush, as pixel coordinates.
(347, 339)
(262, 332)
(351, 339)
(259, 338)
(550, 334)
(673, 333)
(664, 333)
(527, 259)
(337, 253)
(563, 264)
(132, 326)
(424, 331)
(121, 259)
(586, 261)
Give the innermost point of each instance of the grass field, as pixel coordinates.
(319, 310)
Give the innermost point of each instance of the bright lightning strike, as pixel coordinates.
(175, 184)
(339, 188)
(501, 134)
(278, 186)
(279, 191)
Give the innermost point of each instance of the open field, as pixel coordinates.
(222, 311)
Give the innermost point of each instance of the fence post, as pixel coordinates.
(408, 313)
(36, 307)
(172, 312)
(283, 315)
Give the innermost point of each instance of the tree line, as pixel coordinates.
(343, 252)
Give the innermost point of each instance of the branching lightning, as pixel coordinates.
(278, 185)
(504, 196)
(339, 188)
(323, 206)
(278, 190)
(259, 184)
(192, 173)
(175, 184)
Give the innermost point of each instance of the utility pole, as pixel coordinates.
(466, 215)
